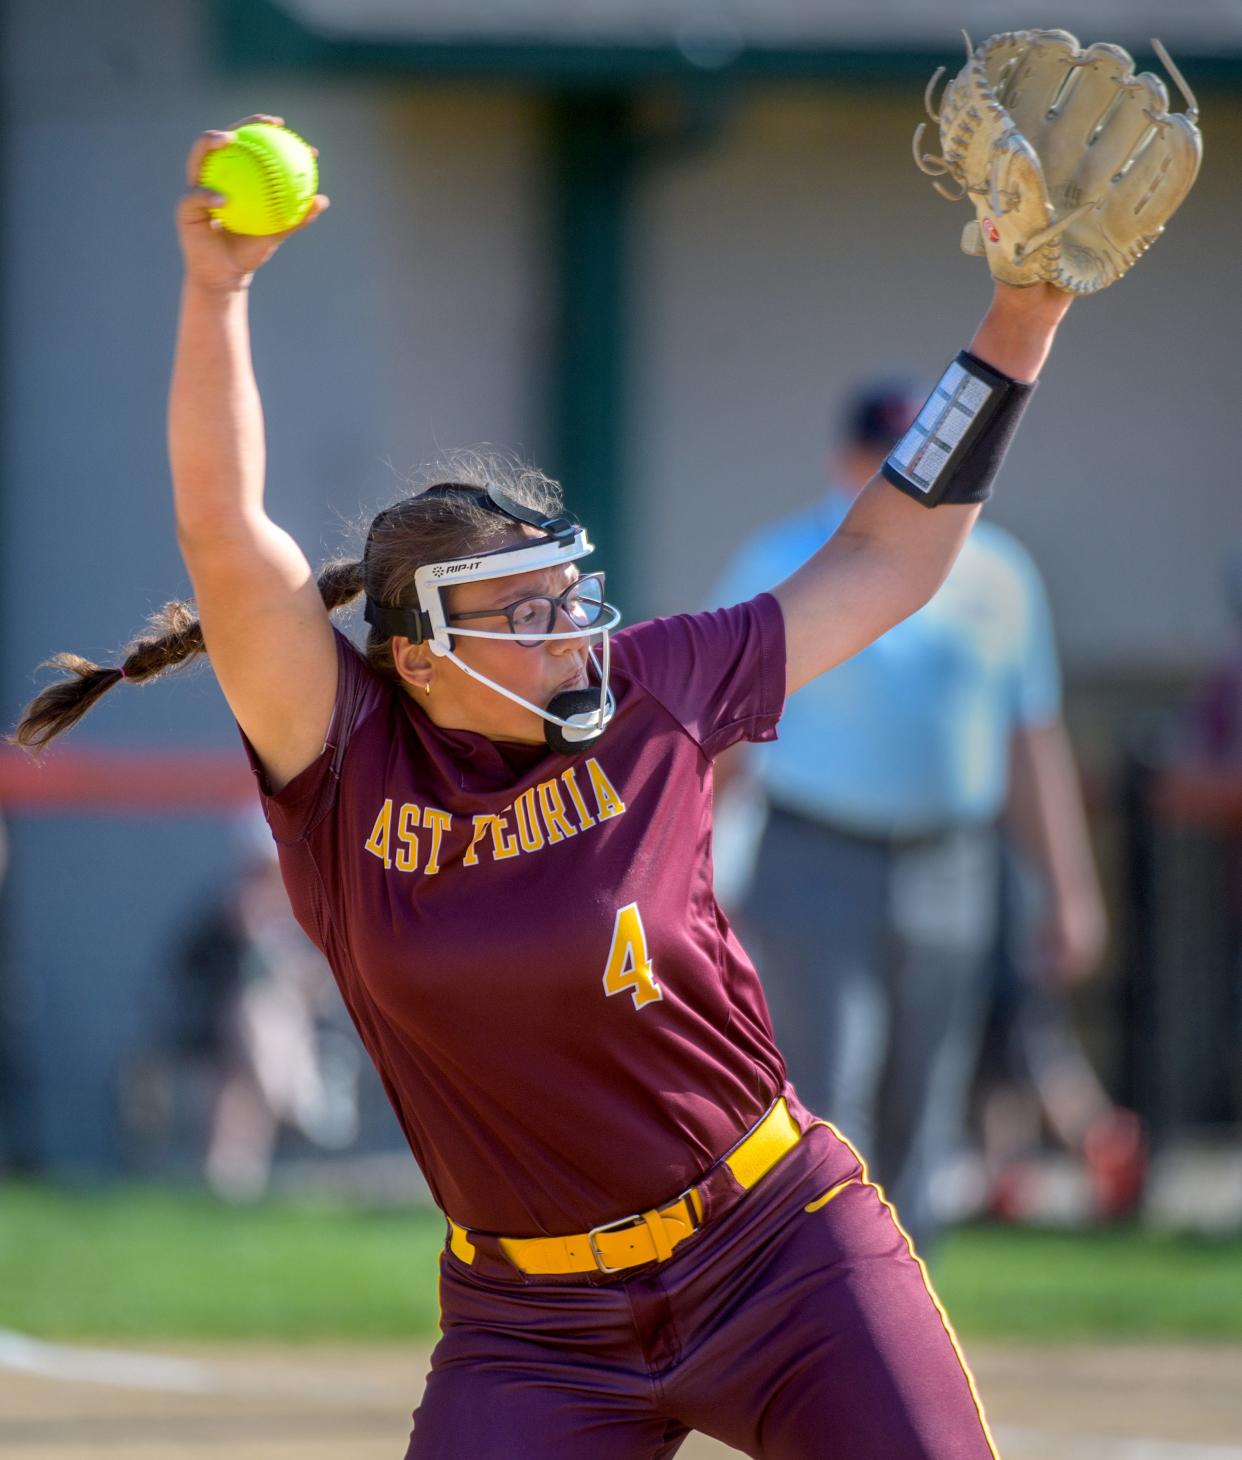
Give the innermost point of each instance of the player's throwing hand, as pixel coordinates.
(214, 257)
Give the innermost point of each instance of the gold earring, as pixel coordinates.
(426, 689)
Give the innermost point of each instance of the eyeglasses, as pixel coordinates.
(582, 603)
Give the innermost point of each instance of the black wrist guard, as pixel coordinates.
(958, 441)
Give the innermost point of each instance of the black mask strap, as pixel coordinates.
(410, 623)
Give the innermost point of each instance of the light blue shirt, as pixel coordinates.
(913, 733)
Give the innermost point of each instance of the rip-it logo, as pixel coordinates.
(453, 570)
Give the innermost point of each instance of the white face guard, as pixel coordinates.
(573, 719)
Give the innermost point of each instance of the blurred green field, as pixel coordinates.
(145, 1263)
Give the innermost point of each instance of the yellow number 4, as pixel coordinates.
(629, 965)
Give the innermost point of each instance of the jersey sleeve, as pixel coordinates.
(296, 809)
(720, 675)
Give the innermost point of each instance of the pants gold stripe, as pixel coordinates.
(927, 1283)
(822, 1201)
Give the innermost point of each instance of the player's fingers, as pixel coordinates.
(195, 206)
(320, 203)
(203, 144)
(259, 117)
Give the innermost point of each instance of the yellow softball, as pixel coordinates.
(267, 175)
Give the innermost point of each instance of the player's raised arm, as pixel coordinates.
(263, 619)
(1071, 184)
(891, 554)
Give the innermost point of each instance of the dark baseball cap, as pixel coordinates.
(880, 411)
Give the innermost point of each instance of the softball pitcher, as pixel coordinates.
(496, 823)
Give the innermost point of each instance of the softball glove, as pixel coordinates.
(1073, 163)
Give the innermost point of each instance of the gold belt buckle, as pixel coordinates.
(609, 1227)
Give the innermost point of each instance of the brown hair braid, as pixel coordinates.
(417, 529)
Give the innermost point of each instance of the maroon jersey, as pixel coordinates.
(529, 943)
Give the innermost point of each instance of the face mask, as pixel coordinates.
(574, 719)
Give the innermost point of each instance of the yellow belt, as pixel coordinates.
(646, 1236)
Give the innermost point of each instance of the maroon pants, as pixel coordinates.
(791, 1328)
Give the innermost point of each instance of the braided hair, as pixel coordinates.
(425, 527)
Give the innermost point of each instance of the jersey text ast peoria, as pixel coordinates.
(549, 812)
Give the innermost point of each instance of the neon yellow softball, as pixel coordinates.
(268, 176)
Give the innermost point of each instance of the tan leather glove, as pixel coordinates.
(1073, 163)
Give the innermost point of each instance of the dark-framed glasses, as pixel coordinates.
(532, 617)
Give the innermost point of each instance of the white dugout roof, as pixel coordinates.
(715, 32)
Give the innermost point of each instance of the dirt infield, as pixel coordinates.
(62, 1402)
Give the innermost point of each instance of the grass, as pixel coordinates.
(140, 1264)
(1117, 1284)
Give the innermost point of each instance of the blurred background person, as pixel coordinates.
(1037, 1092)
(254, 1030)
(279, 1068)
(873, 902)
